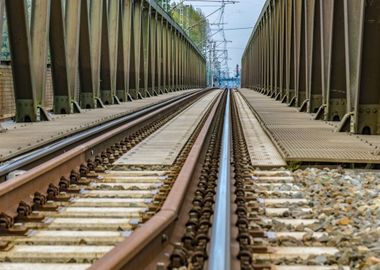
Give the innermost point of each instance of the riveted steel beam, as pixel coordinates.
(20, 47)
(121, 49)
(327, 18)
(2, 10)
(122, 53)
(168, 58)
(152, 82)
(309, 18)
(109, 51)
(72, 30)
(159, 56)
(39, 41)
(319, 56)
(354, 12)
(87, 82)
(299, 52)
(62, 95)
(96, 27)
(165, 57)
(29, 57)
(143, 43)
(314, 64)
(366, 98)
(136, 91)
(147, 50)
(337, 92)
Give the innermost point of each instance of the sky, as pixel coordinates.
(239, 15)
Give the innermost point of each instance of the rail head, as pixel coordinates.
(139, 245)
(38, 178)
(24, 160)
(220, 253)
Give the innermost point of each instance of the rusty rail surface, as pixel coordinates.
(22, 187)
(149, 238)
(25, 160)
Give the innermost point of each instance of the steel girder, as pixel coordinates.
(101, 52)
(320, 56)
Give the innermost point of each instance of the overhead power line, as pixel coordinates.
(233, 29)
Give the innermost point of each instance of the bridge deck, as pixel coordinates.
(23, 137)
(163, 146)
(300, 138)
(261, 150)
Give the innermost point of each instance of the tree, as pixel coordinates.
(190, 19)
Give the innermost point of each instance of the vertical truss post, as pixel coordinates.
(164, 69)
(62, 95)
(147, 50)
(133, 71)
(109, 66)
(177, 39)
(20, 47)
(2, 10)
(123, 44)
(139, 49)
(289, 54)
(276, 46)
(152, 84)
(29, 57)
(309, 48)
(72, 30)
(105, 58)
(354, 12)
(159, 57)
(87, 88)
(338, 85)
(282, 53)
(327, 17)
(270, 39)
(96, 23)
(39, 41)
(169, 58)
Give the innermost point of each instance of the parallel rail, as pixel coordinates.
(291, 220)
(19, 206)
(191, 218)
(61, 146)
(220, 254)
(152, 238)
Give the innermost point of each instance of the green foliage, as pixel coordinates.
(294, 165)
(192, 20)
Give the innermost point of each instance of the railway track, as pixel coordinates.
(200, 187)
(47, 151)
(98, 205)
(301, 220)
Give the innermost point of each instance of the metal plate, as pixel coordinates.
(164, 145)
(261, 149)
(15, 141)
(300, 138)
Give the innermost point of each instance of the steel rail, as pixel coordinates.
(220, 254)
(28, 158)
(147, 240)
(40, 177)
